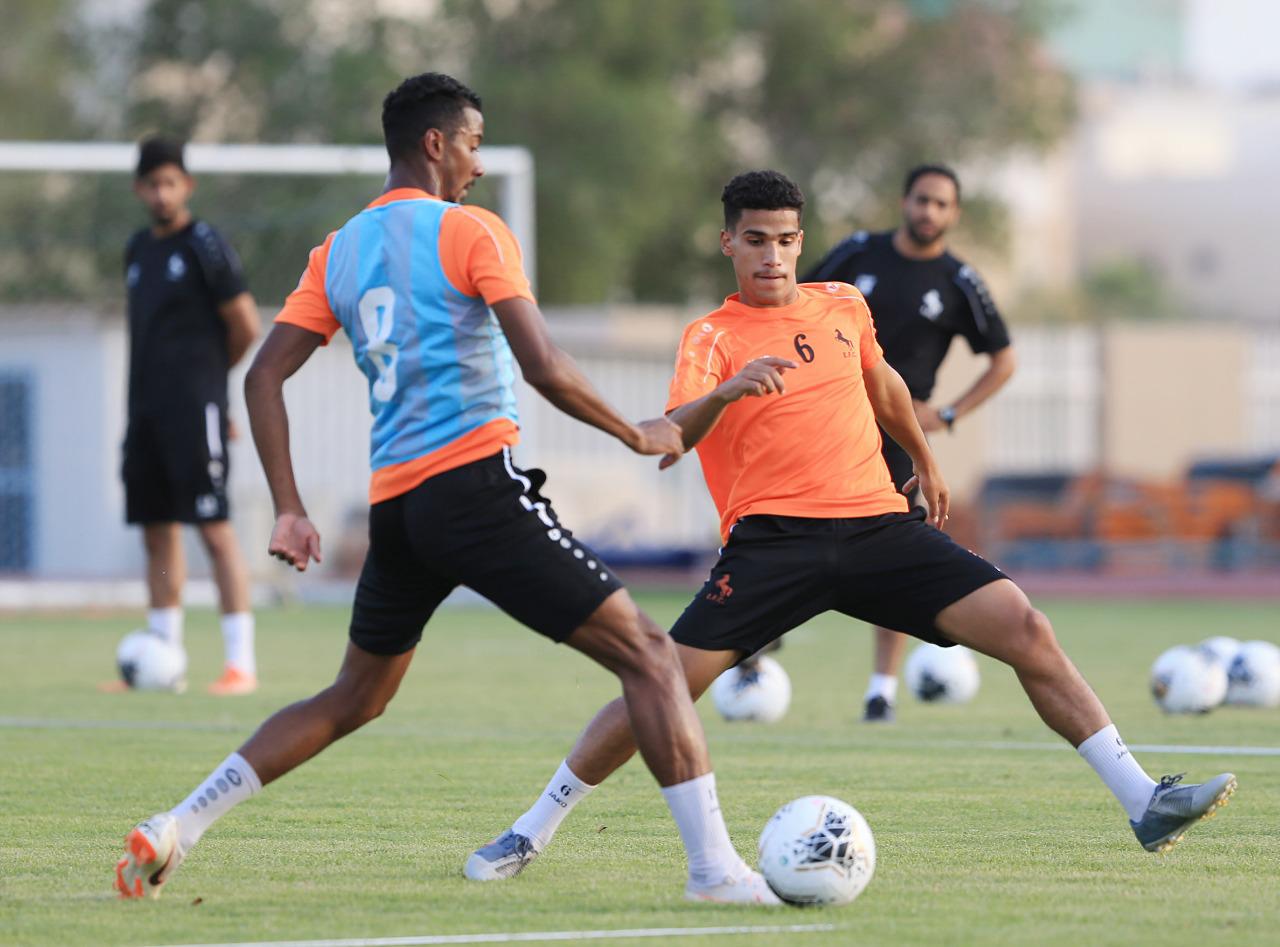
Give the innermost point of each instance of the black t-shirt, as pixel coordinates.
(177, 340)
(918, 306)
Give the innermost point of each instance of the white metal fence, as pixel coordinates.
(73, 365)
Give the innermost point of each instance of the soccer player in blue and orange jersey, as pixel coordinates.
(438, 310)
(783, 390)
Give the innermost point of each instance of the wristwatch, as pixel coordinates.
(947, 416)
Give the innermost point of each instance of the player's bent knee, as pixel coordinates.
(1036, 638)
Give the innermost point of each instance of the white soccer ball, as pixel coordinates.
(817, 850)
(147, 662)
(1188, 680)
(943, 675)
(760, 691)
(1221, 648)
(1254, 675)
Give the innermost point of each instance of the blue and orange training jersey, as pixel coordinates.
(411, 279)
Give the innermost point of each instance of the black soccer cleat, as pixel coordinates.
(877, 710)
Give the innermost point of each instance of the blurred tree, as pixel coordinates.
(1114, 291)
(636, 115)
(854, 92)
(609, 98)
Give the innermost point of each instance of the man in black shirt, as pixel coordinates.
(190, 319)
(921, 298)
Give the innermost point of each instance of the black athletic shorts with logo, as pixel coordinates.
(175, 465)
(777, 572)
(484, 525)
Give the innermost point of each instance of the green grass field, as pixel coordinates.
(988, 832)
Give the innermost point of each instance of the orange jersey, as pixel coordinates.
(411, 279)
(814, 451)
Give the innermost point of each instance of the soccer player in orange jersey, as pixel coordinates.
(780, 391)
(438, 309)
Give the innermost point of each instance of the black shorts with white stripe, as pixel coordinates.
(484, 525)
(175, 464)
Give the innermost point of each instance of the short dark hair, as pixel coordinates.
(156, 151)
(760, 190)
(921, 170)
(431, 100)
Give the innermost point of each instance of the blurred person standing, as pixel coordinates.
(922, 297)
(191, 318)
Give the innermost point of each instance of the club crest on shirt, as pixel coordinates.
(132, 274)
(866, 283)
(848, 343)
(931, 305)
(177, 267)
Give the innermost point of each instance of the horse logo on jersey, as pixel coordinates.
(723, 590)
(866, 283)
(931, 305)
(177, 267)
(840, 338)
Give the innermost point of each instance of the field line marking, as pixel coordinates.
(531, 936)
(53, 723)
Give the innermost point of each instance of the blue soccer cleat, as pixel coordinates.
(504, 857)
(1173, 809)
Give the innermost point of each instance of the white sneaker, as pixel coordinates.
(744, 887)
(150, 857)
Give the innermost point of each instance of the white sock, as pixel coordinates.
(883, 685)
(167, 623)
(1116, 767)
(237, 639)
(232, 782)
(547, 812)
(696, 809)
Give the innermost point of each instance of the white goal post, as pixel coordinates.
(513, 165)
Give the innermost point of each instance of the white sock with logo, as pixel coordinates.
(237, 641)
(696, 809)
(883, 685)
(167, 623)
(1116, 767)
(231, 783)
(545, 815)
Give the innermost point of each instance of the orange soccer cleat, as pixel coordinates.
(233, 683)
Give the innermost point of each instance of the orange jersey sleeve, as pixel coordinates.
(869, 349)
(702, 363)
(481, 256)
(308, 305)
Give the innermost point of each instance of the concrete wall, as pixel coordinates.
(1173, 394)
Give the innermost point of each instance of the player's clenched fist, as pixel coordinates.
(760, 377)
(295, 540)
(658, 436)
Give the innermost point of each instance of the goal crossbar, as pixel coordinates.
(513, 165)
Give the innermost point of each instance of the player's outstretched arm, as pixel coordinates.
(759, 377)
(891, 402)
(286, 349)
(555, 376)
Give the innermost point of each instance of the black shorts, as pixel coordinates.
(175, 465)
(777, 572)
(483, 525)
